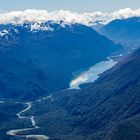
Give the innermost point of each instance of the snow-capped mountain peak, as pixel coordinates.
(4, 33)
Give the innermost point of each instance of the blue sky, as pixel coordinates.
(73, 5)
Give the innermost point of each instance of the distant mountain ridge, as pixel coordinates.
(39, 58)
(124, 31)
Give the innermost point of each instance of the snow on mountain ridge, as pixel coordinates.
(10, 30)
(37, 26)
(3, 33)
(31, 27)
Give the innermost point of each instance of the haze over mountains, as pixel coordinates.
(125, 31)
(38, 59)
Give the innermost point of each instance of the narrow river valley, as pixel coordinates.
(17, 132)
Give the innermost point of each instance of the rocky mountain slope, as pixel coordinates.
(39, 58)
(125, 31)
(107, 109)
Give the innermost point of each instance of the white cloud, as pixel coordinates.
(125, 13)
(18, 17)
(30, 15)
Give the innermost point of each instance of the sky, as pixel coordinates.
(72, 5)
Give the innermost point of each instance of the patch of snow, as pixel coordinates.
(3, 33)
(37, 26)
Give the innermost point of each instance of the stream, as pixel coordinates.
(90, 75)
(33, 123)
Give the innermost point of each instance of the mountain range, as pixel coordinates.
(38, 61)
(39, 58)
(124, 31)
(109, 109)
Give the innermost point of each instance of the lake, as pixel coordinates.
(92, 73)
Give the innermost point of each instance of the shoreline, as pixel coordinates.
(92, 74)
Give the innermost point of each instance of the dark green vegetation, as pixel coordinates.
(9, 120)
(124, 31)
(108, 109)
(126, 130)
(37, 62)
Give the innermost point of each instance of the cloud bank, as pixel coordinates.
(30, 15)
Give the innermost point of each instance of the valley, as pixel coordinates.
(28, 133)
(31, 59)
(20, 133)
(92, 74)
(109, 100)
(68, 81)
